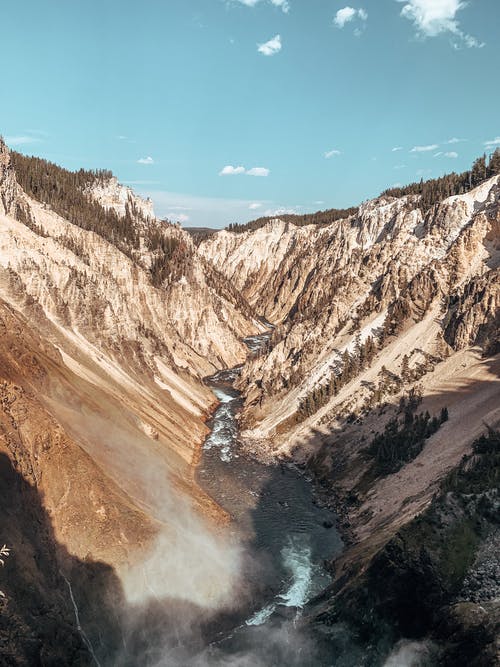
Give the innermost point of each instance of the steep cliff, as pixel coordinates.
(388, 279)
(102, 356)
(382, 370)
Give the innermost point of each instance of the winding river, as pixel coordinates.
(286, 535)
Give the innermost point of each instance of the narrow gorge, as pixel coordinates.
(276, 444)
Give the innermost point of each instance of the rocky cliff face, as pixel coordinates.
(377, 275)
(386, 309)
(103, 405)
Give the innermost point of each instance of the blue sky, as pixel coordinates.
(225, 110)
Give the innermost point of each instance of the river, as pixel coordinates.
(286, 535)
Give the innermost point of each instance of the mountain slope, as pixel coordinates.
(109, 322)
(382, 370)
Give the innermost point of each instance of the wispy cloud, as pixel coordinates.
(399, 166)
(254, 206)
(397, 148)
(284, 5)
(435, 17)
(146, 160)
(455, 140)
(128, 140)
(424, 149)
(271, 47)
(229, 170)
(282, 210)
(348, 14)
(332, 153)
(176, 217)
(258, 171)
(492, 142)
(448, 154)
(21, 140)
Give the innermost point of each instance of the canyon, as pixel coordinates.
(136, 510)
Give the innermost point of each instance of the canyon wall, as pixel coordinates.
(103, 404)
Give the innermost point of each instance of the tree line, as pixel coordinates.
(430, 192)
(320, 218)
(403, 439)
(435, 190)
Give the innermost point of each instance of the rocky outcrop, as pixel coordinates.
(474, 314)
(9, 190)
(112, 194)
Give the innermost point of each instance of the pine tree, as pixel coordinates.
(494, 164)
(478, 171)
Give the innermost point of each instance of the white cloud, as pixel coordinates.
(449, 154)
(284, 5)
(455, 140)
(424, 149)
(271, 47)
(400, 166)
(397, 148)
(229, 170)
(21, 140)
(254, 205)
(343, 16)
(348, 14)
(258, 171)
(282, 210)
(492, 142)
(435, 17)
(173, 216)
(146, 160)
(331, 153)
